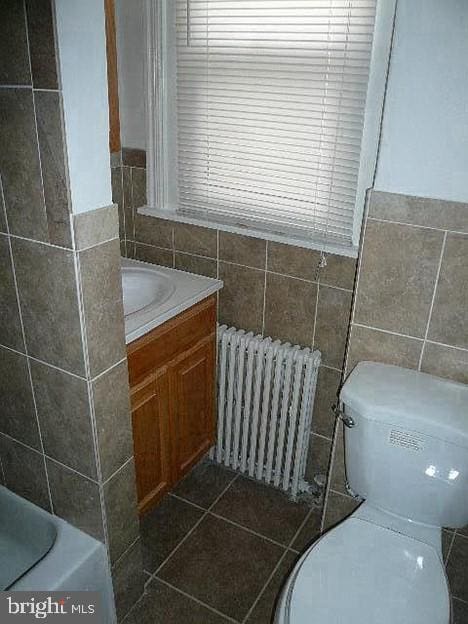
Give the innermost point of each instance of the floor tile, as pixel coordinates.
(309, 532)
(460, 612)
(128, 580)
(447, 538)
(339, 507)
(165, 605)
(223, 566)
(456, 568)
(261, 508)
(204, 484)
(265, 608)
(163, 528)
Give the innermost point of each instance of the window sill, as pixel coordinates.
(265, 234)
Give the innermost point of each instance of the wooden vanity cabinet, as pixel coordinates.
(172, 391)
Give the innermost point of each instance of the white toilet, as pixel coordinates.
(406, 454)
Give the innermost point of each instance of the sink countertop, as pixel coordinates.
(189, 290)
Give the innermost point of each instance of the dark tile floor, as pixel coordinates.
(218, 549)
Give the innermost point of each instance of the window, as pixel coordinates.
(265, 106)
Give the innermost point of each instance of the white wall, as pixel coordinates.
(131, 50)
(424, 149)
(83, 66)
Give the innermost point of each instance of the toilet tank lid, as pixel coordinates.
(409, 399)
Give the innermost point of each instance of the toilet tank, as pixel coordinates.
(406, 450)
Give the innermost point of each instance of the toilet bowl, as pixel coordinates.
(362, 572)
(406, 454)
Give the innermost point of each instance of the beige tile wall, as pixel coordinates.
(410, 309)
(65, 431)
(270, 288)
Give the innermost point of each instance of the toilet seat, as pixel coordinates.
(363, 573)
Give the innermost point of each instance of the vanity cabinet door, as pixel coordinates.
(150, 417)
(192, 384)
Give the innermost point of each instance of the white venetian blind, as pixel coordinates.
(270, 106)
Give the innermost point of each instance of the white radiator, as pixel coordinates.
(266, 394)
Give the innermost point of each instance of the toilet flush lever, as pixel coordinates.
(347, 420)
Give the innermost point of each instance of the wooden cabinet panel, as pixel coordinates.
(164, 343)
(150, 418)
(172, 389)
(192, 424)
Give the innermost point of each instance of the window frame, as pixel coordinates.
(161, 157)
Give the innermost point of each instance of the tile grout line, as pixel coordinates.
(449, 551)
(246, 529)
(126, 551)
(393, 333)
(58, 90)
(447, 346)
(173, 246)
(26, 24)
(122, 199)
(93, 246)
(133, 210)
(187, 501)
(314, 328)
(53, 459)
(331, 464)
(81, 314)
(121, 467)
(62, 370)
(434, 293)
(262, 591)
(342, 494)
(333, 368)
(320, 435)
(39, 242)
(197, 600)
(265, 289)
(217, 255)
(388, 331)
(108, 370)
(417, 225)
(18, 86)
(43, 362)
(359, 263)
(2, 472)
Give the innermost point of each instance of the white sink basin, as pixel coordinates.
(154, 294)
(144, 287)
